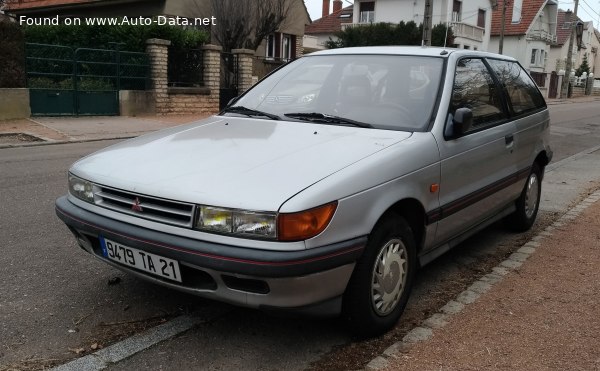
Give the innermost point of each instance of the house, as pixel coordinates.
(590, 43)
(470, 20)
(279, 47)
(323, 29)
(529, 32)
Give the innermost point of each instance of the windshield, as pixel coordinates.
(383, 91)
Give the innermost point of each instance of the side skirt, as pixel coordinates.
(434, 253)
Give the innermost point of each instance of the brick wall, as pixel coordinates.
(182, 101)
(577, 91)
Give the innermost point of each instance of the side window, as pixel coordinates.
(523, 94)
(474, 88)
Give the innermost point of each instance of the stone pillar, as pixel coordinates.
(212, 74)
(589, 86)
(560, 94)
(158, 52)
(299, 46)
(245, 60)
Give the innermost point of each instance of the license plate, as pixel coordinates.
(142, 260)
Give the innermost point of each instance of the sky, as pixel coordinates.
(588, 10)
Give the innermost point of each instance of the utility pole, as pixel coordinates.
(427, 15)
(502, 27)
(564, 90)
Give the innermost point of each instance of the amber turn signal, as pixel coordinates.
(304, 224)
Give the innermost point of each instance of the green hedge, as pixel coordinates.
(377, 34)
(12, 56)
(97, 36)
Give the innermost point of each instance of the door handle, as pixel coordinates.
(510, 141)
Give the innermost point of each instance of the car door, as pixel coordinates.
(478, 166)
(526, 106)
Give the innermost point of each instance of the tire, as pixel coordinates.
(373, 302)
(528, 203)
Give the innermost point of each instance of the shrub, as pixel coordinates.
(12, 57)
(378, 34)
(132, 37)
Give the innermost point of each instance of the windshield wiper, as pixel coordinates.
(249, 112)
(327, 119)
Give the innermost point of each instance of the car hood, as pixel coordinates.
(233, 162)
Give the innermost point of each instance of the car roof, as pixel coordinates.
(410, 50)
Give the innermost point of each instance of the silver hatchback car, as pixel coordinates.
(323, 188)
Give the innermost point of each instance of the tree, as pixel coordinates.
(583, 67)
(246, 23)
(377, 34)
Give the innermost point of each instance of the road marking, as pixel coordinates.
(126, 348)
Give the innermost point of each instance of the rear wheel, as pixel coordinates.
(381, 283)
(528, 203)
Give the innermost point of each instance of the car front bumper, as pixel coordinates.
(310, 281)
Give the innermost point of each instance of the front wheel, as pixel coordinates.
(528, 203)
(382, 280)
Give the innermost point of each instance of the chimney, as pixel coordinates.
(337, 5)
(325, 8)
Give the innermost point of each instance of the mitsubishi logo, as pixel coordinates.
(137, 205)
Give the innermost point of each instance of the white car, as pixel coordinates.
(325, 201)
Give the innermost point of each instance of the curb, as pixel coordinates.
(438, 320)
(115, 353)
(51, 142)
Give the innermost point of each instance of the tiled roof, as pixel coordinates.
(529, 10)
(32, 4)
(562, 33)
(331, 23)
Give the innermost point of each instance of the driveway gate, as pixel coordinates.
(84, 81)
(229, 78)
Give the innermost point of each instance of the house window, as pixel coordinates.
(280, 46)
(456, 11)
(286, 47)
(534, 56)
(516, 14)
(481, 18)
(270, 46)
(367, 12)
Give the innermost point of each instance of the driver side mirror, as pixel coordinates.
(462, 121)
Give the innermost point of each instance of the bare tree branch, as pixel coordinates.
(246, 23)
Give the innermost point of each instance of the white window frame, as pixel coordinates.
(286, 50)
(367, 16)
(270, 47)
(534, 57)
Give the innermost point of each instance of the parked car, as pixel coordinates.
(328, 200)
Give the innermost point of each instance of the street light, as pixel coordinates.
(579, 34)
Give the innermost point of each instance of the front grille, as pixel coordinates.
(160, 210)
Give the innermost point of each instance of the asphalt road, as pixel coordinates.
(56, 301)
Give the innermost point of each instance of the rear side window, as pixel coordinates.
(475, 88)
(523, 94)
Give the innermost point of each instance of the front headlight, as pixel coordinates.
(82, 189)
(237, 222)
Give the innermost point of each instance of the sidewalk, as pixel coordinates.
(54, 130)
(538, 310)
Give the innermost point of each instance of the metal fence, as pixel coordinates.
(83, 81)
(186, 67)
(229, 78)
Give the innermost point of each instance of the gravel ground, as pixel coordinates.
(543, 316)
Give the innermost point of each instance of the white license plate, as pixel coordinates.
(142, 260)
